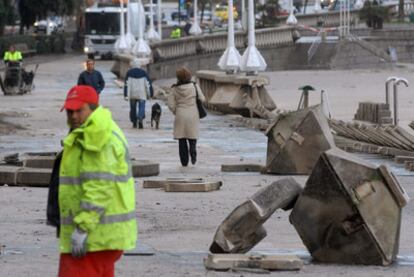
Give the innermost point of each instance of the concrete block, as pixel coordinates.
(34, 177)
(8, 175)
(349, 211)
(192, 187)
(241, 167)
(240, 261)
(39, 161)
(143, 168)
(242, 229)
(296, 140)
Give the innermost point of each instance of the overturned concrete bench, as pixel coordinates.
(243, 228)
(295, 141)
(350, 211)
(240, 262)
(144, 168)
(241, 167)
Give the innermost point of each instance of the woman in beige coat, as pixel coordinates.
(182, 103)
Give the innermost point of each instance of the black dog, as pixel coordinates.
(156, 115)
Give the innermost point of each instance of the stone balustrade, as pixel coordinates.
(210, 43)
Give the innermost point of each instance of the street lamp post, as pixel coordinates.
(141, 47)
(195, 27)
(252, 61)
(121, 44)
(230, 60)
(152, 35)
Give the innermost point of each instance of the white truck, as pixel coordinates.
(101, 30)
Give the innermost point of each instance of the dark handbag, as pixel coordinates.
(201, 110)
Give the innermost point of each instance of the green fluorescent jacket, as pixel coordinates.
(96, 189)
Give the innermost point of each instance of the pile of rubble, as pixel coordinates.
(349, 210)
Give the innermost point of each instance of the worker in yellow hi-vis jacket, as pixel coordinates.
(96, 189)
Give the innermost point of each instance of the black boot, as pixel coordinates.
(134, 124)
(140, 125)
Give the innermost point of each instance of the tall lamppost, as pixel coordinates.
(252, 61)
(141, 47)
(121, 44)
(230, 60)
(152, 35)
(195, 27)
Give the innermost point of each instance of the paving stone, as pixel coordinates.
(144, 168)
(350, 211)
(34, 177)
(241, 167)
(151, 184)
(192, 187)
(39, 161)
(8, 175)
(242, 229)
(240, 261)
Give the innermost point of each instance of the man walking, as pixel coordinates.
(96, 189)
(92, 77)
(138, 88)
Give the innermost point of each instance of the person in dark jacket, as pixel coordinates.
(92, 77)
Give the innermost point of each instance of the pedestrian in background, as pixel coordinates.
(12, 55)
(182, 103)
(92, 77)
(96, 190)
(137, 88)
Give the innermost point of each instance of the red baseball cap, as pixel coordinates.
(80, 95)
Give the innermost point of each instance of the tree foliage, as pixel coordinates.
(30, 10)
(6, 14)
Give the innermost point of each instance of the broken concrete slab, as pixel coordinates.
(241, 167)
(348, 211)
(296, 140)
(240, 261)
(8, 175)
(44, 161)
(156, 184)
(144, 168)
(242, 229)
(192, 186)
(34, 177)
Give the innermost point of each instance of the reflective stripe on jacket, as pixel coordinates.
(96, 189)
(12, 57)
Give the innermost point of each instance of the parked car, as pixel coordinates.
(56, 25)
